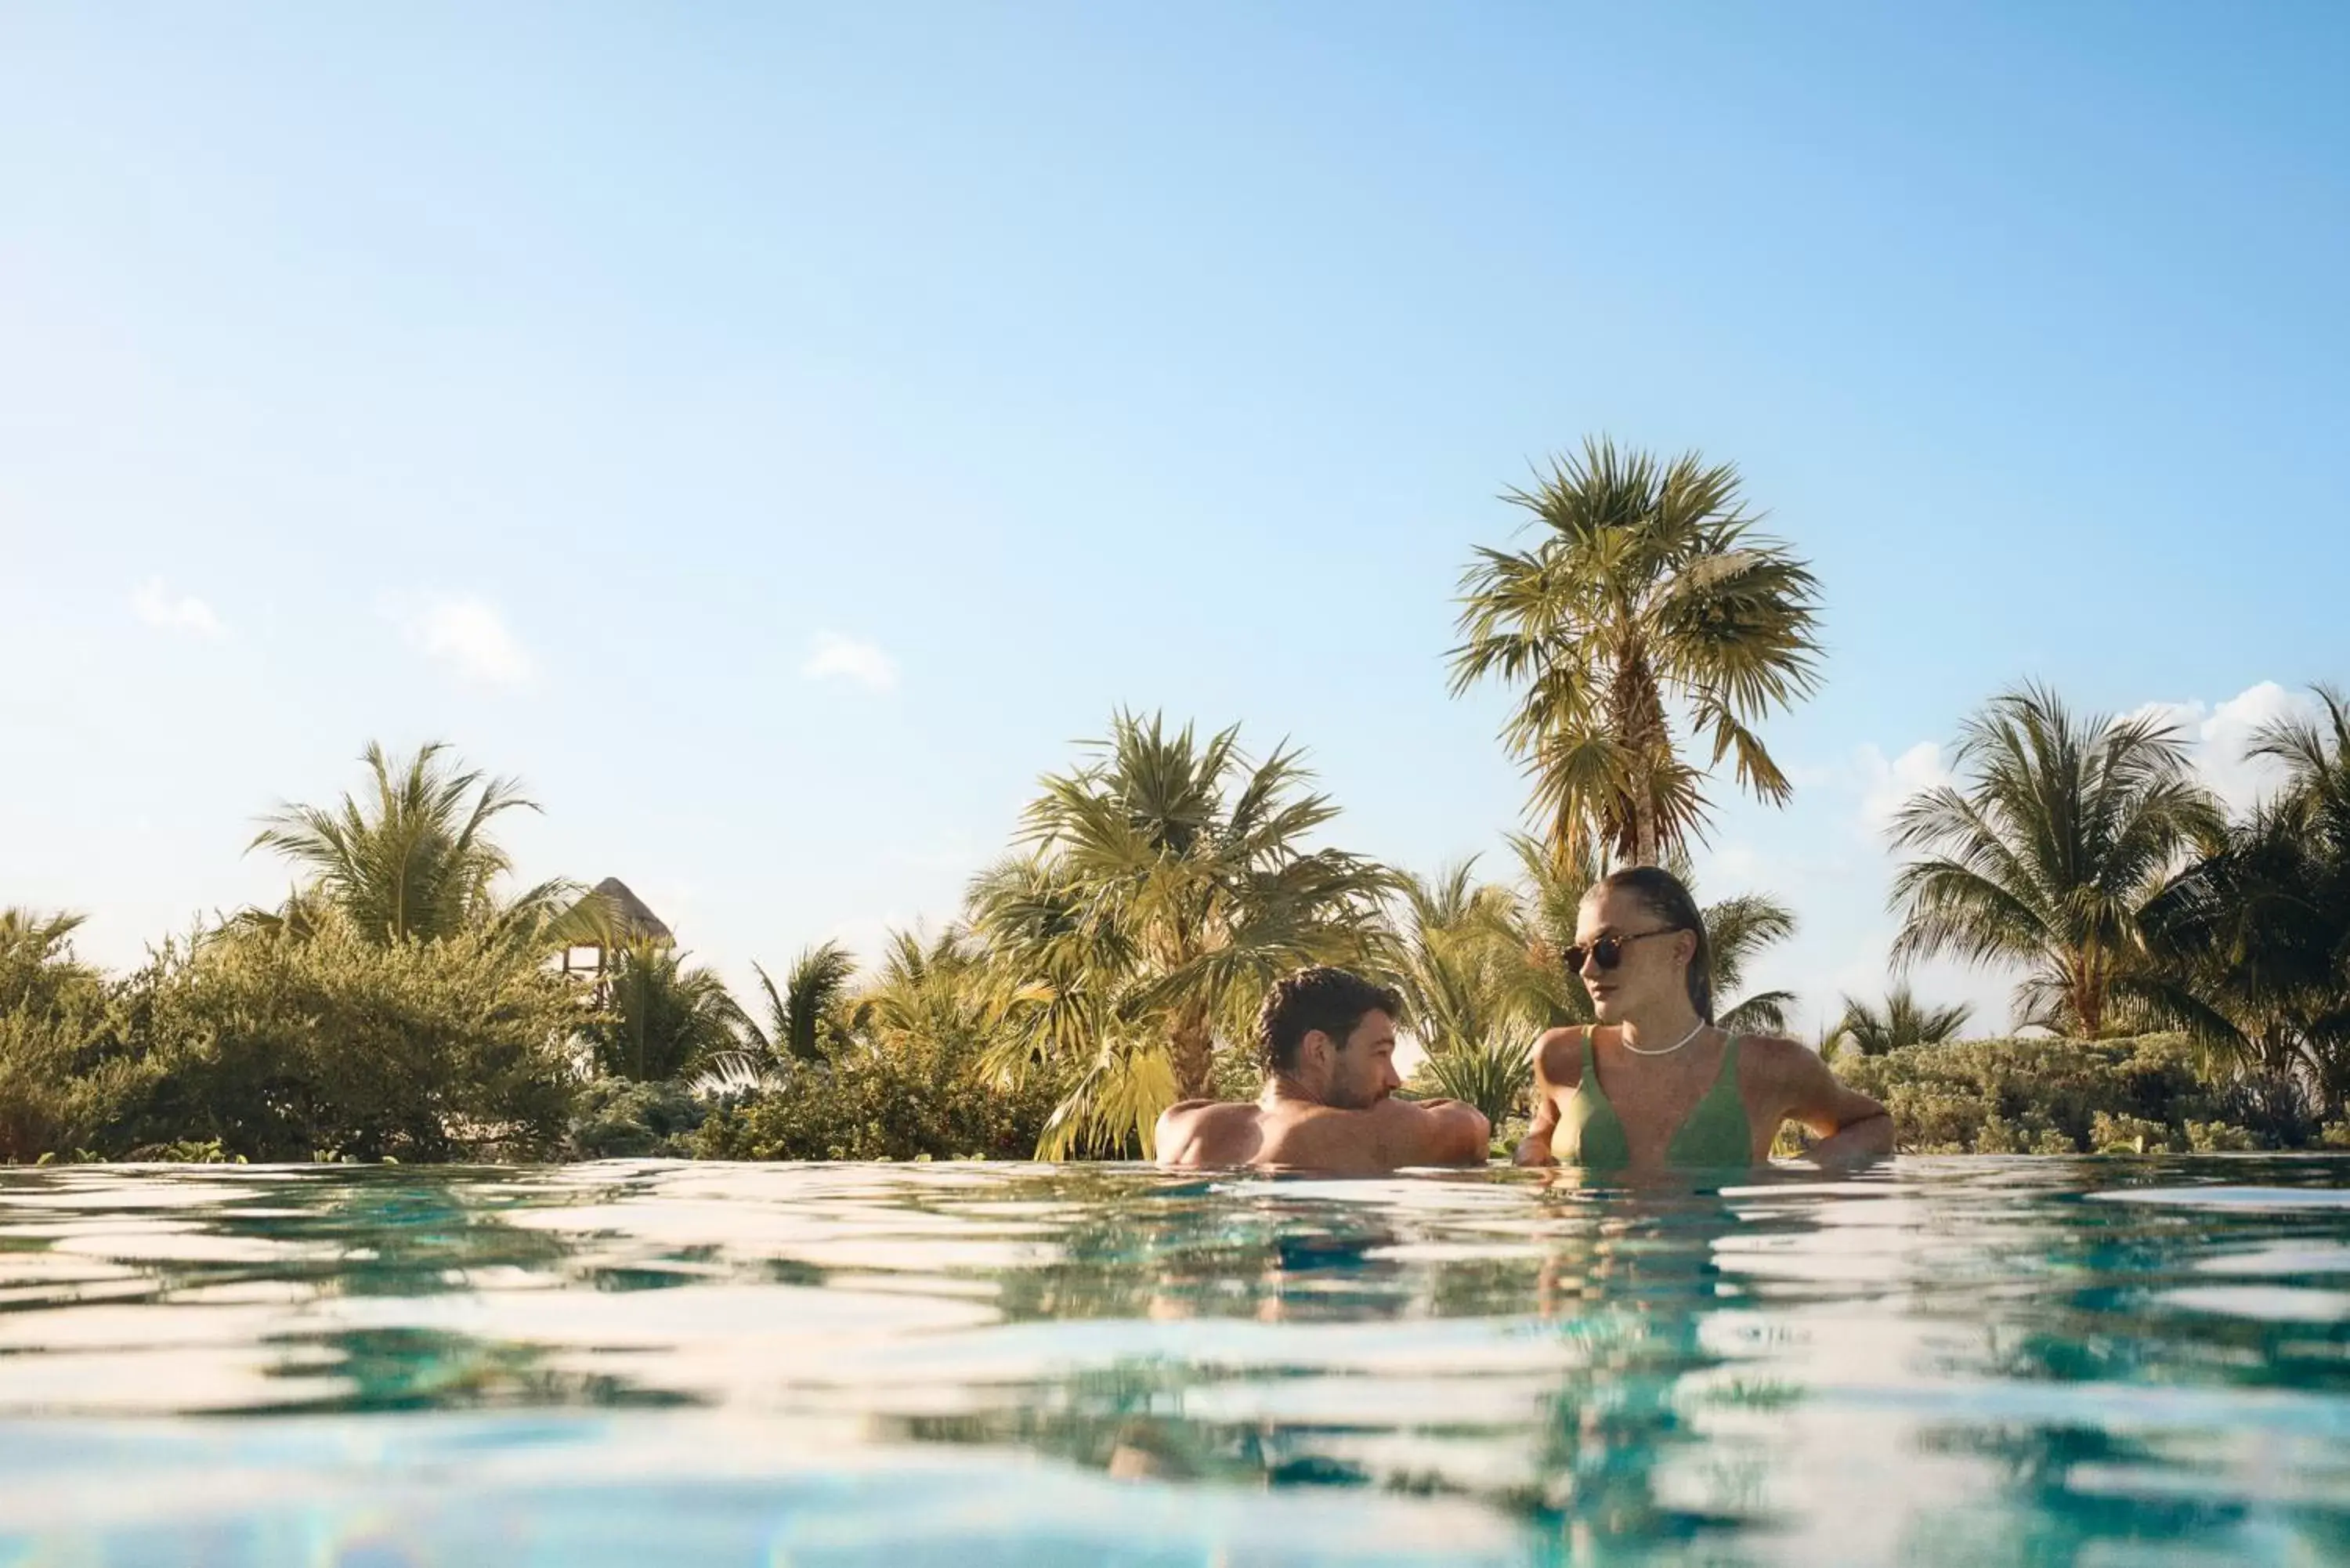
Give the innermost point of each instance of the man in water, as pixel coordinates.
(1327, 1040)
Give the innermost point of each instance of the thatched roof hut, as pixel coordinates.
(609, 916)
(631, 921)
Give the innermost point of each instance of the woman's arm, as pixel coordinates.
(1850, 1126)
(1534, 1148)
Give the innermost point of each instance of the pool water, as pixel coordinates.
(1954, 1361)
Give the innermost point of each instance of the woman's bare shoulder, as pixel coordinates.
(1558, 1056)
(1776, 1056)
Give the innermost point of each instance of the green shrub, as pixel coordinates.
(2111, 1134)
(2057, 1096)
(286, 1049)
(613, 1118)
(66, 1087)
(863, 1103)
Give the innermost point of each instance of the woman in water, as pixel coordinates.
(1654, 1085)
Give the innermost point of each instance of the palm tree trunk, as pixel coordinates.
(2088, 992)
(1191, 1051)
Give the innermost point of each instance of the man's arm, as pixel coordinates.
(1432, 1132)
(1851, 1128)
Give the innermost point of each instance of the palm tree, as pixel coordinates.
(1453, 961)
(2066, 828)
(2251, 943)
(411, 857)
(661, 1018)
(1492, 1072)
(937, 994)
(1902, 1020)
(1738, 929)
(38, 968)
(1651, 599)
(1169, 884)
(812, 991)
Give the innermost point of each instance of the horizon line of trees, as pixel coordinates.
(1113, 959)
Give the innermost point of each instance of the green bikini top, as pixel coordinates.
(1590, 1134)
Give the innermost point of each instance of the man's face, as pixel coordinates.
(1360, 1073)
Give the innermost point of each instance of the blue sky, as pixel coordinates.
(775, 434)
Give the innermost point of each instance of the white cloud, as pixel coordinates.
(2217, 736)
(1887, 786)
(158, 606)
(470, 637)
(836, 657)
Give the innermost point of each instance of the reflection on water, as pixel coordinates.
(1950, 1361)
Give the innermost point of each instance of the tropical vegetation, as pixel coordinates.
(1649, 605)
(2185, 977)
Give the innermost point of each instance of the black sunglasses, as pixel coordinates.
(1610, 949)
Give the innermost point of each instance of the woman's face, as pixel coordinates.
(1649, 973)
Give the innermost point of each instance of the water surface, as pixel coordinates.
(1944, 1362)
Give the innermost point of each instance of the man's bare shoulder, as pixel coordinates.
(1208, 1132)
(1395, 1132)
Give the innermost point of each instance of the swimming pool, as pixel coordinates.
(1948, 1361)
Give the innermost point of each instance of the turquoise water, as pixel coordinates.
(1948, 1361)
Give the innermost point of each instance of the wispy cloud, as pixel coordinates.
(159, 607)
(469, 636)
(838, 658)
(1887, 784)
(2217, 735)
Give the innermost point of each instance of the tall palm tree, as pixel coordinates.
(1902, 1020)
(2066, 828)
(660, 1018)
(1169, 882)
(410, 857)
(1650, 600)
(2251, 943)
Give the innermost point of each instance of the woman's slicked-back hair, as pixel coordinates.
(1661, 894)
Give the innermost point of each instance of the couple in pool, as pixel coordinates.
(1652, 1086)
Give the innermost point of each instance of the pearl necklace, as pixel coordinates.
(1663, 1050)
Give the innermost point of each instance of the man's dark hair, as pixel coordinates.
(1331, 999)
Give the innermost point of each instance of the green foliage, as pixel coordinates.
(65, 1086)
(616, 1119)
(2066, 829)
(2251, 945)
(2054, 1095)
(1169, 883)
(411, 856)
(1903, 1021)
(865, 1103)
(812, 993)
(2111, 1134)
(1493, 1074)
(660, 1019)
(287, 1050)
(38, 972)
(1649, 592)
